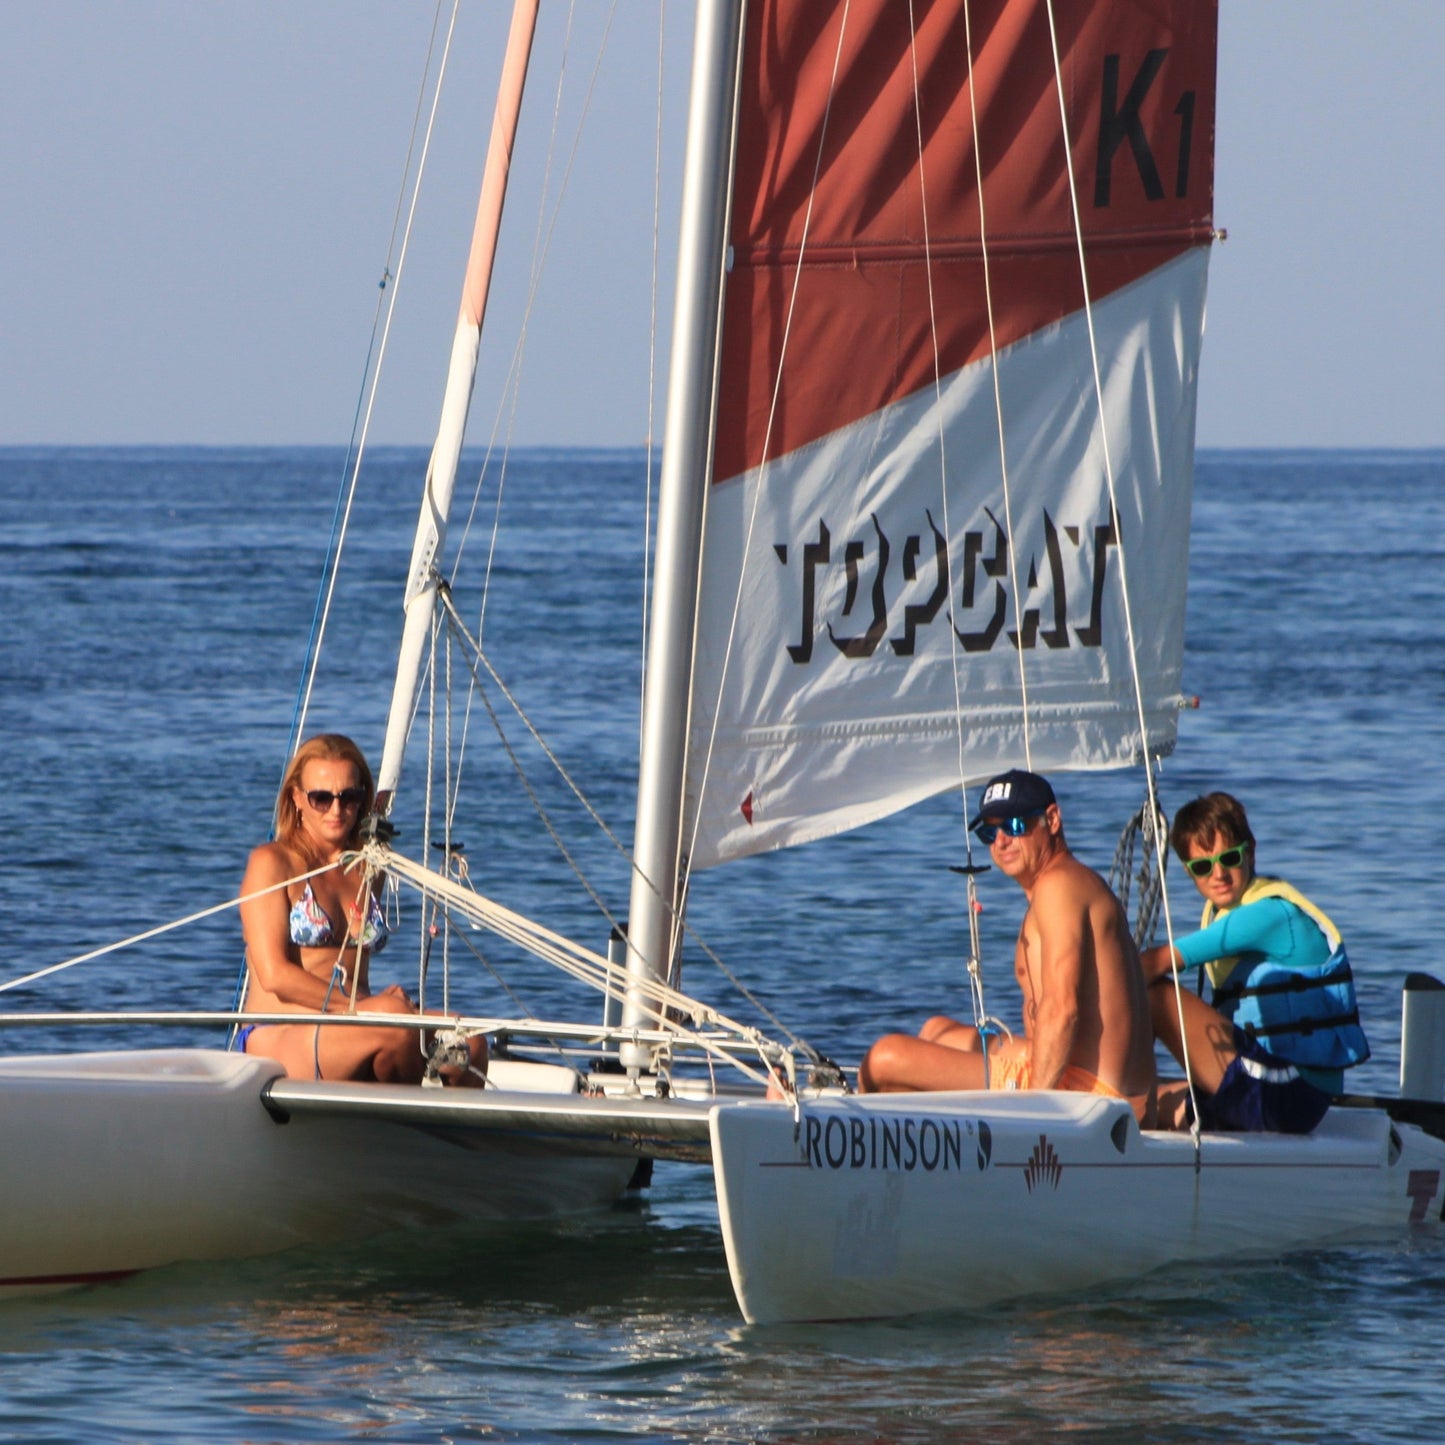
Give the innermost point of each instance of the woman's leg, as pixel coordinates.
(340, 1051)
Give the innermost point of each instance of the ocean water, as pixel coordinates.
(156, 608)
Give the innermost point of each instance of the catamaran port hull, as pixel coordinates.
(891, 1205)
(111, 1163)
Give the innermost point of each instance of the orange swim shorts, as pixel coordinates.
(1014, 1071)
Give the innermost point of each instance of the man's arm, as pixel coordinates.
(1060, 911)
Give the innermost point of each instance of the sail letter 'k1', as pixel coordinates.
(911, 553)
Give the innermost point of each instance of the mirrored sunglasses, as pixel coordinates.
(1015, 827)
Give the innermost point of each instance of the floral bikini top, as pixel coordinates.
(311, 926)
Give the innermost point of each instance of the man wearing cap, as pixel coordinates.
(1086, 1006)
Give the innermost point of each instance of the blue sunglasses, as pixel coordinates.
(1015, 827)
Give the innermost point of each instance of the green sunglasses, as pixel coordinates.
(1229, 858)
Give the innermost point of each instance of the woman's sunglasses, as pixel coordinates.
(1015, 827)
(322, 798)
(1230, 858)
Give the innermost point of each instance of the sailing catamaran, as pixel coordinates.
(923, 515)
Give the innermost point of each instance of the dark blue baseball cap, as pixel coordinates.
(1012, 794)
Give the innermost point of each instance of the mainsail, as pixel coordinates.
(922, 479)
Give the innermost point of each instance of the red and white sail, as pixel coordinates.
(911, 559)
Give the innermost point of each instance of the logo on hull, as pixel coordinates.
(1044, 1166)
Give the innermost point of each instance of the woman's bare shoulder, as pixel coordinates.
(271, 863)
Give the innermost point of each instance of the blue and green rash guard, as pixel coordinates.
(1280, 972)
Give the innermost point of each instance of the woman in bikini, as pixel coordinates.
(309, 943)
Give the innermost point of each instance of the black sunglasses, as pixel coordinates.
(322, 798)
(1230, 858)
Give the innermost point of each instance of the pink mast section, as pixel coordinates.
(499, 164)
(461, 375)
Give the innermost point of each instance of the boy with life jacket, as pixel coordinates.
(1285, 1023)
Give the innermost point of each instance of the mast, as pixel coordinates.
(682, 489)
(431, 528)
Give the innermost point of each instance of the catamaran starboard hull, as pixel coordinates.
(891, 1205)
(112, 1163)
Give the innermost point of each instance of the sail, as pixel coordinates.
(911, 553)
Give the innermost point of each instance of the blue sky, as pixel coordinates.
(198, 200)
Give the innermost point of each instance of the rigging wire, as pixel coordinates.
(668, 1006)
(428, 810)
(546, 226)
(671, 1006)
(158, 930)
(1153, 806)
(345, 494)
(998, 391)
(652, 360)
(356, 448)
(370, 406)
(985, 1025)
(504, 419)
(477, 656)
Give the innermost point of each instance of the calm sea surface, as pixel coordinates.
(155, 608)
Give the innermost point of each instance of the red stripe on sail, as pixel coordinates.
(1139, 89)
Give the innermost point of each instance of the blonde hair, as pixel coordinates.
(332, 748)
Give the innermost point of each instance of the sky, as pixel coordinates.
(198, 204)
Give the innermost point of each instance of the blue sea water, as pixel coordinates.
(156, 606)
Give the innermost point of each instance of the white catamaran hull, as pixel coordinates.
(890, 1205)
(112, 1163)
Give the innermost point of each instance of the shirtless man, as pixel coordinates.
(1086, 1007)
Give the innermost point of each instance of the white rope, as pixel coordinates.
(456, 864)
(665, 1005)
(161, 929)
(587, 1036)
